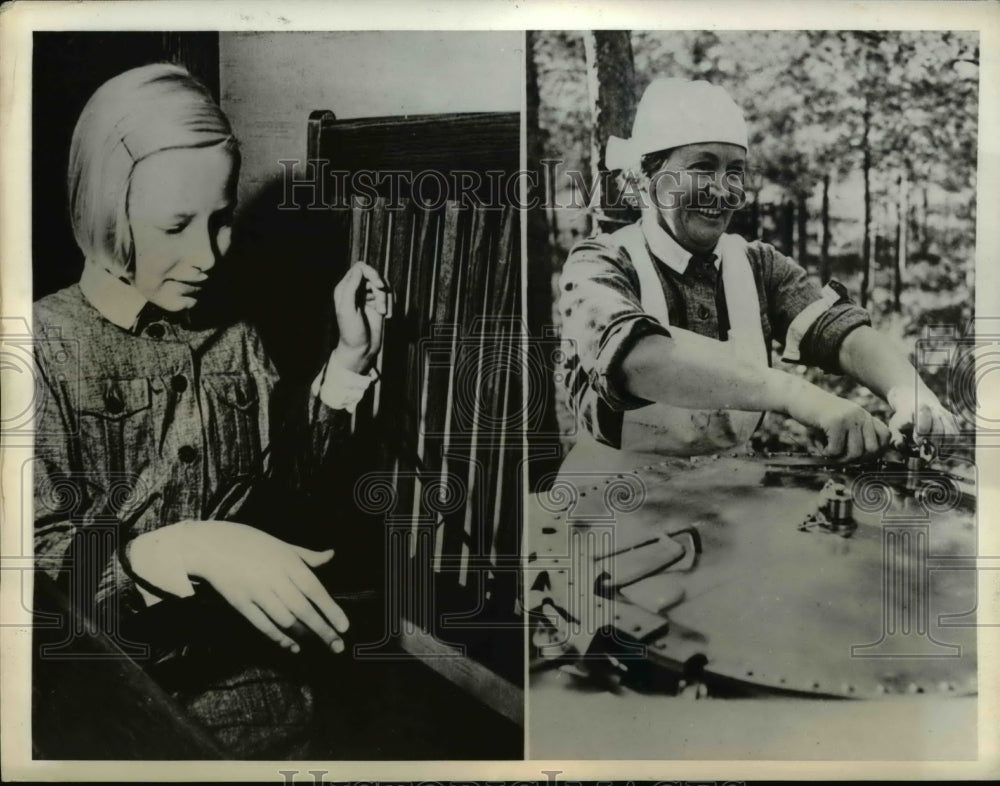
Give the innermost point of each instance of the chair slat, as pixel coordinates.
(369, 249)
(498, 404)
(465, 527)
(438, 366)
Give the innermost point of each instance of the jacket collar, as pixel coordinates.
(114, 298)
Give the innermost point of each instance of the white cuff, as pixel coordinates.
(341, 388)
(154, 559)
(801, 324)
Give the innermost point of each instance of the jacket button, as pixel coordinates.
(115, 405)
(156, 330)
(179, 383)
(187, 454)
(703, 312)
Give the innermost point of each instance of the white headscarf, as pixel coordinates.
(675, 112)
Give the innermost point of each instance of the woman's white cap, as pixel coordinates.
(675, 112)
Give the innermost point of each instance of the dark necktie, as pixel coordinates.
(702, 266)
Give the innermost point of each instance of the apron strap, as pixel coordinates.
(745, 331)
(654, 302)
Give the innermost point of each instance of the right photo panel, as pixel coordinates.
(751, 526)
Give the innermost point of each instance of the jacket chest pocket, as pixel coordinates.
(116, 431)
(235, 427)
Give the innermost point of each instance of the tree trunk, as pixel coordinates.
(901, 238)
(544, 455)
(925, 241)
(913, 222)
(866, 251)
(611, 79)
(787, 228)
(802, 228)
(825, 265)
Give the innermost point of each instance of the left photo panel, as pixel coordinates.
(275, 445)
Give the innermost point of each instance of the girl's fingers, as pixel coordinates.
(274, 608)
(261, 621)
(371, 274)
(304, 611)
(316, 593)
(345, 293)
(374, 288)
(349, 283)
(378, 300)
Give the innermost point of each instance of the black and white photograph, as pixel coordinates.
(434, 392)
(276, 307)
(752, 528)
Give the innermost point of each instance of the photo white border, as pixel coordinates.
(17, 22)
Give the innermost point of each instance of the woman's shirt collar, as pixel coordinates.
(665, 248)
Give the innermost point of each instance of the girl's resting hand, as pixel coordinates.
(361, 303)
(269, 581)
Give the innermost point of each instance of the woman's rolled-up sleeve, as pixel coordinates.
(811, 322)
(602, 319)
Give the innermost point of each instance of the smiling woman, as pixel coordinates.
(157, 465)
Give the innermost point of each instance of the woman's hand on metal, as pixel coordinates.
(361, 302)
(268, 581)
(851, 431)
(918, 416)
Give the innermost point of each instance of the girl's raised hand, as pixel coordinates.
(361, 302)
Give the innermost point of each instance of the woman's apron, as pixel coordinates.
(662, 429)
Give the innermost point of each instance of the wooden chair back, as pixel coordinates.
(445, 416)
